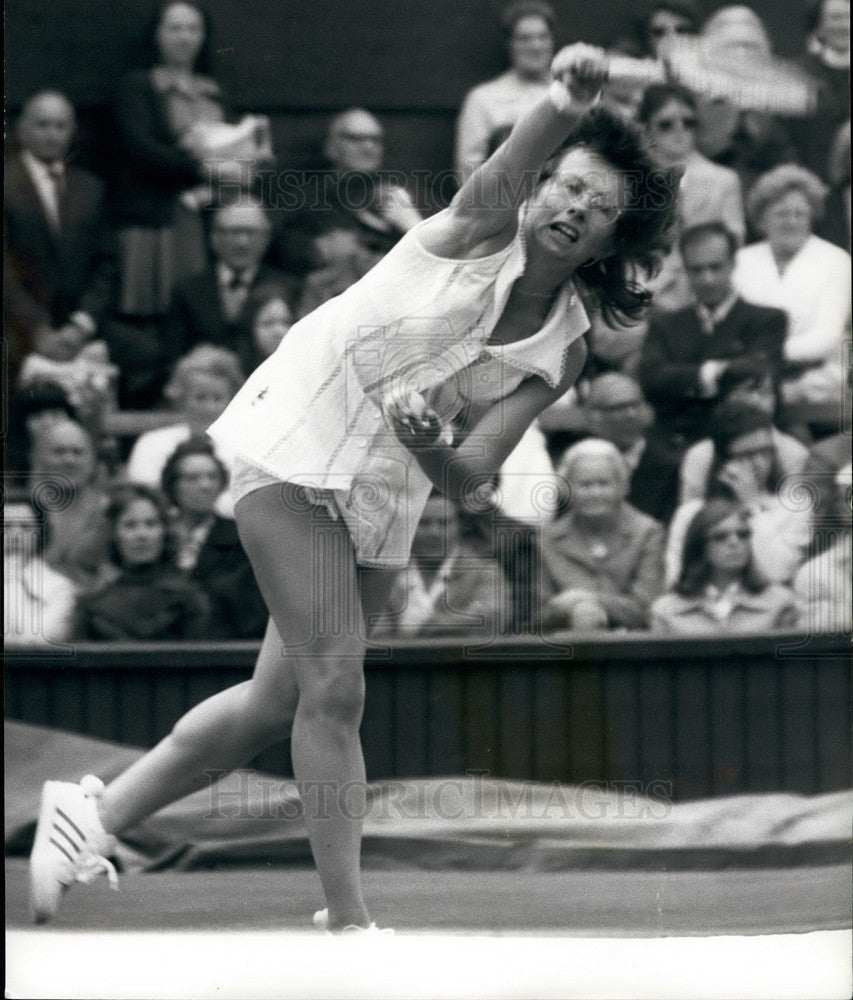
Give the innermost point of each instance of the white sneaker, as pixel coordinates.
(70, 844)
(321, 920)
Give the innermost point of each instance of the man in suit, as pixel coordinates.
(691, 354)
(208, 307)
(60, 266)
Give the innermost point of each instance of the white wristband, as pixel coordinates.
(559, 96)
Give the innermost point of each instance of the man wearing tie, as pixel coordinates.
(692, 355)
(59, 257)
(208, 307)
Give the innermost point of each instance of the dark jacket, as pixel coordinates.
(224, 573)
(197, 315)
(154, 169)
(48, 274)
(154, 602)
(676, 346)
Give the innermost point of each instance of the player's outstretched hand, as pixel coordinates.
(583, 71)
(415, 424)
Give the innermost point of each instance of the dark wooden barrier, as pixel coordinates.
(686, 718)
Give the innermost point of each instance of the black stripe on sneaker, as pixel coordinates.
(59, 847)
(58, 829)
(72, 824)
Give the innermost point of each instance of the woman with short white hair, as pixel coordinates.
(808, 277)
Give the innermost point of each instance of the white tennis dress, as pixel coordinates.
(311, 414)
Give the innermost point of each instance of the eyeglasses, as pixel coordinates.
(741, 534)
(630, 404)
(241, 231)
(593, 201)
(660, 32)
(761, 452)
(670, 124)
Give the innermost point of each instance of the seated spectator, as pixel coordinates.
(266, 319)
(38, 602)
(350, 214)
(794, 270)
(65, 469)
(603, 559)
(203, 383)
(823, 584)
(59, 257)
(823, 463)
(150, 598)
(718, 589)
(789, 453)
(707, 192)
(744, 468)
(690, 353)
(826, 58)
(207, 307)
(30, 408)
(491, 109)
(448, 588)
(207, 546)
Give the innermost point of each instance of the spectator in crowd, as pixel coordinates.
(827, 60)
(823, 584)
(748, 141)
(736, 391)
(59, 261)
(707, 192)
(818, 477)
(491, 109)
(207, 546)
(745, 468)
(64, 467)
(350, 214)
(662, 21)
(794, 270)
(30, 408)
(202, 384)
(448, 586)
(150, 598)
(718, 588)
(207, 307)
(616, 411)
(690, 352)
(38, 602)
(156, 107)
(603, 559)
(265, 321)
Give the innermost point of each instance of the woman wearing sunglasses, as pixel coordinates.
(707, 191)
(719, 588)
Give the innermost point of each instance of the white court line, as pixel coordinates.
(71, 965)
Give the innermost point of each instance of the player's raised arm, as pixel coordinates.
(486, 206)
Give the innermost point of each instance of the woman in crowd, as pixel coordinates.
(718, 588)
(707, 192)
(758, 393)
(38, 602)
(491, 109)
(346, 429)
(207, 547)
(156, 108)
(603, 558)
(150, 598)
(202, 384)
(808, 277)
(662, 22)
(745, 467)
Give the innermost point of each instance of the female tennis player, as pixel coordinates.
(424, 373)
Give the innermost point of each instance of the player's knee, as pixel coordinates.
(335, 696)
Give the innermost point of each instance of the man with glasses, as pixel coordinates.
(693, 356)
(350, 214)
(208, 307)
